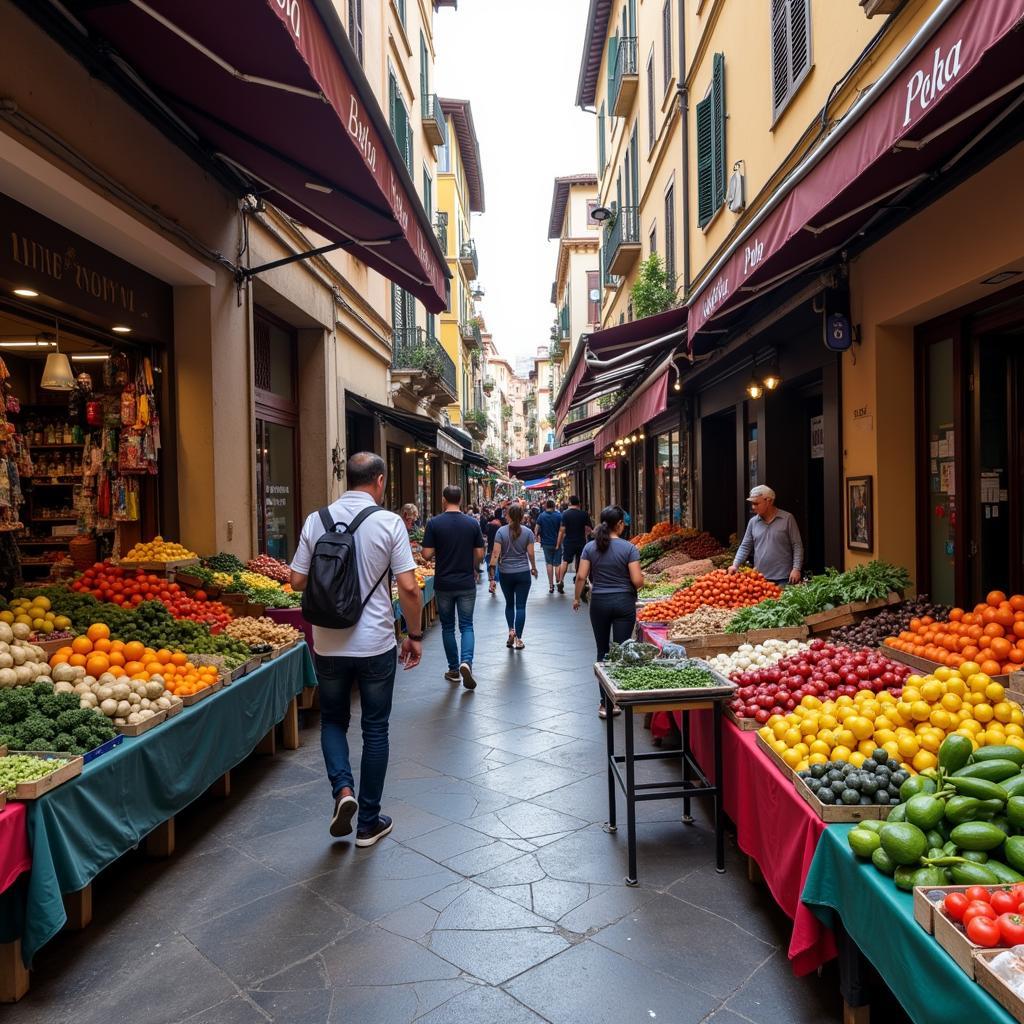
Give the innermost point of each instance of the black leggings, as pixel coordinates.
(612, 617)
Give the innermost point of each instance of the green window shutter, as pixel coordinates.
(613, 53)
(718, 119)
(392, 96)
(424, 73)
(705, 146)
(602, 156)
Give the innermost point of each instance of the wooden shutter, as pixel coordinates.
(718, 116)
(670, 234)
(397, 313)
(799, 40)
(791, 49)
(666, 45)
(780, 54)
(705, 146)
(650, 101)
(613, 54)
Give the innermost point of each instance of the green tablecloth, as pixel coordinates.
(86, 824)
(427, 594)
(880, 920)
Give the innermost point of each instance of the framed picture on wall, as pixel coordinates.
(860, 514)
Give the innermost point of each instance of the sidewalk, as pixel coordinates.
(497, 898)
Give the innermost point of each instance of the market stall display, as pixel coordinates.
(27, 776)
(874, 627)
(253, 631)
(35, 718)
(159, 552)
(718, 589)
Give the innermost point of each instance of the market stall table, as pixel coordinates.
(880, 919)
(774, 826)
(83, 826)
(14, 852)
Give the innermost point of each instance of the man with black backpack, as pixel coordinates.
(345, 557)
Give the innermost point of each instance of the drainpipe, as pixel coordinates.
(684, 113)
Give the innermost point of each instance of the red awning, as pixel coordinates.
(650, 402)
(958, 84)
(546, 463)
(585, 382)
(274, 90)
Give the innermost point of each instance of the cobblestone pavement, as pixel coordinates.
(497, 898)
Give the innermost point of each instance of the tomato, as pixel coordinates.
(984, 931)
(978, 908)
(1004, 902)
(977, 892)
(1011, 929)
(955, 904)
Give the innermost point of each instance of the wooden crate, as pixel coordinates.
(834, 618)
(832, 813)
(176, 708)
(206, 691)
(994, 985)
(928, 667)
(756, 636)
(34, 790)
(217, 661)
(254, 663)
(927, 899)
(774, 757)
(743, 724)
(951, 937)
(141, 727)
(711, 644)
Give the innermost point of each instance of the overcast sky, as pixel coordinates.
(517, 63)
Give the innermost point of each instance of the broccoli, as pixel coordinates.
(37, 745)
(76, 749)
(62, 741)
(66, 721)
(83, 736)
(42, 689)
(15, 704)
(68, 701)
(37, 726)
(49, 705)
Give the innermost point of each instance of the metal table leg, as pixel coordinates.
(630, 797)
(610, 826)
(685, 729)
(718, 797)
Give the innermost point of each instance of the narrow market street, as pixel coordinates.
(498, 897)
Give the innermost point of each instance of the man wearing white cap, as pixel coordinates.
(772, 538)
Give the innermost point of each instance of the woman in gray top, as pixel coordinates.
(513, 552)
(613, 567)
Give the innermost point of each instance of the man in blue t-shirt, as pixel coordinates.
(456, 542)
(549, 522)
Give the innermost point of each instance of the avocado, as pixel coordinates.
(883, 861)
(994, 771)
(973, 874)
(904, 842)
(924, 810)
(998, 752)
(929, 876)
(903, 876)
(914, 785)
(974, 856)
(977, 835)
(897, 814)
(863, 841)
(954, 753)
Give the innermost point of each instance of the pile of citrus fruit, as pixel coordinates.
(911, 727)
(36, 614)
(159, 550)
(98, 654)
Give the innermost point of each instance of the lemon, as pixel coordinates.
(892, 748)
(941, 719)
(920, 710)
(908, 746)
(818, 757)
(791, 737)
(983, 712)
(779, 728)
(1014, 730)
(867, 747)
(994, 692)
(44, 603)
(1003, 711)
(791, 757)
(931, 742)
(840, 753)
(857, 758)
(924, 759)
(951, 702)
(861, 727)
(978, 682)
(932, 691)
(957, 686)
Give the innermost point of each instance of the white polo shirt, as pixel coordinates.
(381, 540)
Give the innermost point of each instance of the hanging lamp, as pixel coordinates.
(57, 375)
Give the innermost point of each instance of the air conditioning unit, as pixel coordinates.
(734, 197)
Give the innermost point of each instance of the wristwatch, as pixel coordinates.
(417, 637)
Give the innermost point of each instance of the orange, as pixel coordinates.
(116, 658)
(148, 654)
(66, 652)
(131, 667)
(96, 665)
(141, 675)
(178, 658)
(77, 660)
(101, 645)
(58, 659)
(116, 671)
(117, 645)
(163, 654)
(991, 668)
(98, 631)
(81, 645)
(133, 651)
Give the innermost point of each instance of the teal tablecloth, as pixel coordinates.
(880, 920)
(427, 593)
(85, 825)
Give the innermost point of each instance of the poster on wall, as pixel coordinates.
(860, 526)
(817, 437)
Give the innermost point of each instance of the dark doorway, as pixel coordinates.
(718, 474)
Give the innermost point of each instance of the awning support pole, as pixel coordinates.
(247, 272)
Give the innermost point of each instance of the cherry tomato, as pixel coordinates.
(978, 908)
(1011, 928)
(977, 892)
(984, 931)
(955, 904)
(1004, 902)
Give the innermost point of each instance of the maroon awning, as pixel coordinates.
(545, 463)
(650, 402)
(920, 124)
(274, 90)
(573, 428)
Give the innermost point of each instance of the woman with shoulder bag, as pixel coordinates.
(513, 554)
(613, 567)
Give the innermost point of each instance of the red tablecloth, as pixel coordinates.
(293, 617)
(773, 825)
(14, 853)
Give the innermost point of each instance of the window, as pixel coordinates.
(424, 75)
(711, 170)
(653, 239)
(399, 119)
(669, 478)
(602, 160)
(650, 101)
(591, 207)
(593, 297)
(431, 326)
(791, 49)
(670, 234)
(400, 4)
(444, 154)
(428, 194)
(666, 45)
(355, 27)
(613, 55)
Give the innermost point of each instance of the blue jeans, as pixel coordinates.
(447, 603)
(375, 678)
(516, 588)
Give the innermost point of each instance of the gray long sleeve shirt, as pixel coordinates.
(776, 546)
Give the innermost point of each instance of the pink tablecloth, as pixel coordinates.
(14, 853)
(773, 825)
(293, 617)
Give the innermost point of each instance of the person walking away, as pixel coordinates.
(575, 529)
(455, 542)
(363, 654)
(771, 540)
(513, 554)
(612, 565)
(549, 522)
(491, 531)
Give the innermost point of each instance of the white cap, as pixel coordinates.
(761, 491)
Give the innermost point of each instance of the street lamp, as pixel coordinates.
(600, 214)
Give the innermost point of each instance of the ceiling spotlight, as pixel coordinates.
(120, 329)
(26, 293)
(772, 379)
(754, 388)
(677, 386)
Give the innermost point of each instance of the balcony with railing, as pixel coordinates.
(418, 360)
(468, 259)
(433, 120)
(469, 331)
(441, 229)
(625, 78)
(621, 243)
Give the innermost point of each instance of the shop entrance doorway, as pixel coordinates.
(718, 474)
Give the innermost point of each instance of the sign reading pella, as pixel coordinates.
(922, 89)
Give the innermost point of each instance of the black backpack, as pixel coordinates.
(333, 597)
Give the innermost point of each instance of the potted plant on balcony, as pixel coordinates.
(425, 358)
(506, 411)
(655, 290)
(488, 385)
(477, 423)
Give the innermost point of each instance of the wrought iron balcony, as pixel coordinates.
(621, 244)
(433, 120)
(468, 259)
(441, 228)
(469, 331)
(420, 355)
(625, 79)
